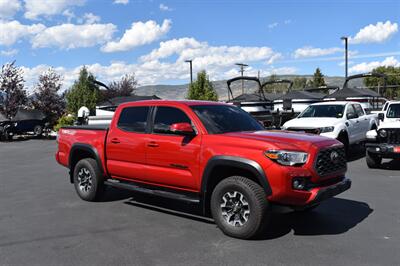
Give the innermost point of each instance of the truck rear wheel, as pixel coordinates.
(239, 207)
(88, 180)
(373, 161)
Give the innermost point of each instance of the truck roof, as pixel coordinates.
(172, 102)
(334, 103)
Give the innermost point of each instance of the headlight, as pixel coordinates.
(383, 133)
(287, 157)
(326, 129)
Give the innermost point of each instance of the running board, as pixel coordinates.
(156, 192)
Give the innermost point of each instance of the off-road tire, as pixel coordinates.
(96, 189)
(373, 161)
(257, 201)
(345, 140)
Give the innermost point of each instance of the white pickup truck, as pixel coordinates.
(342, 120)
(384, 141)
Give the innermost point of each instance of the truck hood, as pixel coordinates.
(312, 122)
(285, 139)
(390, 123)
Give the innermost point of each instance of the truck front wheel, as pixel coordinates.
(88, 180)
(373, 161)
(239, 207)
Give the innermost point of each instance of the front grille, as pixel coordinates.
(330, 161)
(306, 130)
(393, 136)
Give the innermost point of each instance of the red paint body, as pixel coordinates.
(151, 158)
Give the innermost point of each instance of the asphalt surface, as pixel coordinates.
(43, 222)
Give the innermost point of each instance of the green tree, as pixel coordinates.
(84, 92)
(12, 88)
(202, 88)
(47, 98)
(299, 83)
(393, 81)
(317, 79)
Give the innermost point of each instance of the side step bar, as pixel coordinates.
(160, 193)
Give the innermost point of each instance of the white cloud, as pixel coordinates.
(368, 67)
(165, 7)
(10, 52)
(139, 34)
(375, 33)
(288, 21)
(9, 8)
(309, 51)
(13, 31)
(122, 2)
(273, 25)
(69, 15)
(36, 8)
(70, 36)
(91, 18)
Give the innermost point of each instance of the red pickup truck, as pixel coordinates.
(209, 153)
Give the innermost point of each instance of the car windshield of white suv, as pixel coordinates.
(223, 119)
(393, 111)
(334, 110)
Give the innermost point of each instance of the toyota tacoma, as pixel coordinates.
(212, 154)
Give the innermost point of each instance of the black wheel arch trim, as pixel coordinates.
(234, 161)
(88, 148)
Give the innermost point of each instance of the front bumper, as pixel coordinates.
(384, 150)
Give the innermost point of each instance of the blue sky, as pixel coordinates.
(153, 38)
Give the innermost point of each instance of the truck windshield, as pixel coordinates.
(393, 111)
(223, 119)
(334, 110)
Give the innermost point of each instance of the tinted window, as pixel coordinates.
(359, 110)
(334, 110)
(393, 111)
(222, 119)
(166, 116)
(133, 119)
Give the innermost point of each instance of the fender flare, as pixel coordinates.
(87, 148)
(234, 161)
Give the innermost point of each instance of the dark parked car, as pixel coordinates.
(24, 122)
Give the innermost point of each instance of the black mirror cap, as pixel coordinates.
(381, 116)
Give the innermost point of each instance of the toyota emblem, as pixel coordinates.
(334, 156)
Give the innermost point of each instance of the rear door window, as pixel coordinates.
(134, 119)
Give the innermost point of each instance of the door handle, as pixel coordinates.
(115, 141)
(152, 144)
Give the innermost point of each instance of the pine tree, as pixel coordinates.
(47, 98)
(84, 92)
(317, 80)
(12, 88)
(202, 88)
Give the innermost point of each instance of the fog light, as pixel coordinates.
(299, 183)
(377, 149)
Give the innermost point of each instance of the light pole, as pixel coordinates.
(242, 66)
(191, 72)
(345, 53)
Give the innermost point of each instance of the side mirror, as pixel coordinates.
(182, 129)
(381, 116)
(351, 116)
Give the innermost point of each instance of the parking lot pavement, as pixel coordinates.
(43, 222)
